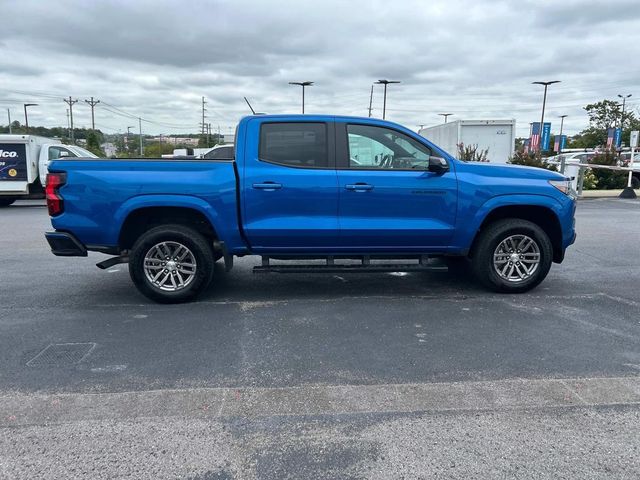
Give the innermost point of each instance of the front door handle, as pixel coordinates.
(268, 186)
(359, 187)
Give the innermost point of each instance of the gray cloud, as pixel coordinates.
(157, 59)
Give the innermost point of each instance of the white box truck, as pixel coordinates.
(23, 164)
(498, 136)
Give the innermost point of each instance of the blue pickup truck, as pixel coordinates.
(360, 194)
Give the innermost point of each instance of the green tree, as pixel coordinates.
(94, 139)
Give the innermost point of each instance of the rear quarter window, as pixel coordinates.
(295, 144)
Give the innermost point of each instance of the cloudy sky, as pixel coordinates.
(156, 59)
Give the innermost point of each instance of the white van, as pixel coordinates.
(23, 164)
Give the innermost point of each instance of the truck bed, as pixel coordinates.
(100, 193)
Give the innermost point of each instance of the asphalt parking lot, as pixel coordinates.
(416, 375)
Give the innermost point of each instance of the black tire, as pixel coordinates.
(482, 259)
(197, 244)
(5, 202)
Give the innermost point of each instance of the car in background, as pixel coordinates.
(220, 152)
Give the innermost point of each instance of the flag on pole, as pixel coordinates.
(546, 136)
(610, 135)
(534, 141)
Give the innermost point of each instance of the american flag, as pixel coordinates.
(534, 144)
(610, 134)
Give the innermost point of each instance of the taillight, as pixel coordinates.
(55, 204)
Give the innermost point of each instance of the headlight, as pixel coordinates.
(563, 185)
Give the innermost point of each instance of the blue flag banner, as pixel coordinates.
(617, 137)
(546, 136)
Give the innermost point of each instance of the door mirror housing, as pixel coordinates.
(438, 165)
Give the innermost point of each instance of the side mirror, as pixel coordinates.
(438, 165)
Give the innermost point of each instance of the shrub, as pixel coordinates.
(531, 159)
(608, 179)
(590, 181)
(471, 153)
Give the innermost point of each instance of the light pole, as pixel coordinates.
(624, 100)
(302, 84)
(26, 118)
(445, 115)
(544, 102)
(384, 102)
(562, 117)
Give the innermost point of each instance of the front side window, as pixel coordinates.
(294, 144)
(381, 148)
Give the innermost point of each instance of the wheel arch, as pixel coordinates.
(542, 215)
(144, 217)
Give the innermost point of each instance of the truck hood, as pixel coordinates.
(509, 171)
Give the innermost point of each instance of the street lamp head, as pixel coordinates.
(387, 82)
(30, 104)
(563, 116)
(546, 83)
(302, 84)
(624, 96)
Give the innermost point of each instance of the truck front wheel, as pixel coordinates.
(512, 255)
(171, 264)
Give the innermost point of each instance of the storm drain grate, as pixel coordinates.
(61, 354)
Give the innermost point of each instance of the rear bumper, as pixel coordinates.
(64, 244)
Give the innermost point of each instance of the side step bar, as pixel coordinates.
(424, 264)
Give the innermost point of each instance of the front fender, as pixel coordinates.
(469, 223)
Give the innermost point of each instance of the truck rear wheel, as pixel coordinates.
(5, 202)
(512, 255)
(171, 264)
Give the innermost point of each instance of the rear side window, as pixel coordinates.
(302, 145)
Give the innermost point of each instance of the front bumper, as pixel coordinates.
(65, 244)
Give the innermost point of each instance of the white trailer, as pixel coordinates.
(23, 164)
(498, 136)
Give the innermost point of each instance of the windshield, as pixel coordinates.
(81, 152)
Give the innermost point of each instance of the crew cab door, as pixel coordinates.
(389, 200)
(290, 187)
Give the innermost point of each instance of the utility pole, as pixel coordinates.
(93, 103)
(219, 140)
(208, 135)
(70, 102)
(544, 102)
(303, 85)
(384, 102)
(445, 115)
(9, 116)
(204, 125)
(26, 118)
(68, 125)
(140, 127)
(370, 100)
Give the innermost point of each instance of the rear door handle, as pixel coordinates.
(359, 187)
(269, 186)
